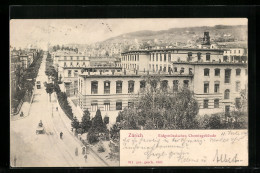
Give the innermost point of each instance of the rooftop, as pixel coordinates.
(172, 49)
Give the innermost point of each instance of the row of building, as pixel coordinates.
(216, 76)
(20, 60)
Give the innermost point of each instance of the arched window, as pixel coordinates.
(119, 87)
(94, 87)
(175, 85)
(227, 93)
(238, 71)
(206, 72)
(153, 84)
(106, 87)
(142, 84)
(217, 72)
(164, 85)
(131, 86)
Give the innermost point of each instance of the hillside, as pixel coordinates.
(217, 33)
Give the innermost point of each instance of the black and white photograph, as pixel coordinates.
(77, 84)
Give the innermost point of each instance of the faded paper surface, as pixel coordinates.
(183, 148)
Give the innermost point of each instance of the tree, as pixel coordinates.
(97, 127)
(49, 89)
(75, 123)
(97, 122)
(85, 121)
(160, 108)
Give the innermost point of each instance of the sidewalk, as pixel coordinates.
(25, 108)
(67, 122)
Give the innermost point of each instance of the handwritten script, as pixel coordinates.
(183, 147)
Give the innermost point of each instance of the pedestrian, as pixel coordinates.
(85, 157)
(83, 150)
(76, 151)
(61, 135)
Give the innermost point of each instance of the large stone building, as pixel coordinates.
(112, 91)
(215, 81)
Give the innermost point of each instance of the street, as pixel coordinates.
(28, 149)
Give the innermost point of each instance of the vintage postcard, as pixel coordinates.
(129, 92)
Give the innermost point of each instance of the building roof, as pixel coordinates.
(172, 49)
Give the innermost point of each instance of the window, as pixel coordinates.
(164, 85)
(130, 104)
(153, 84)
(227, 75)
(160, 67)
(186, 83)
(160, 57)
(175, 85)
(156, 56)
(205, 103)
(71, 58)
(182, 70)
(175, 69)
(189, 56)
(216, 87)
(217, 72)
(137, 57)
(119, 87)
(164, 58)
(118, 105)
(238, 71)
(156, 67)
(69, 73)
(206, 87)
(169, 68)
(94, 107)
(65, 58)
(216, 103)
(206, 72)
(153, 56)
(71, 64)
(164, 68)
(169, 57)
(199, 56)
(190, 71)
(131, 86)
(94, 87)
(153, 67)
(207, 56)
(238, 86)
(107, 87)
(65, 65)
(107, 106)
(142, 84)
(227, 110)
(227, 92)
(238, 103)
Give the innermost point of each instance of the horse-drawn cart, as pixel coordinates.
(40, 129)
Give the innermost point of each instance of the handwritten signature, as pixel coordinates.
(224, 158)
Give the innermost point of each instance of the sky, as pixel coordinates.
(40, 32)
